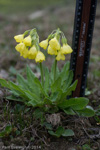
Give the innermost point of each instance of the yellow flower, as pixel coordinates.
(27, 41)
(66, 49)
(20, 47)
(32, 52)
(54, 44)
(44, 44)
(24, 53)
(60, 56)
(39, 57)
(51, 51)
(19, 38)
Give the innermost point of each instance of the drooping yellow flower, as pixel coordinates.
(39, 57)
(66, 49)
(27, 41)
(44, 44)
(19, 38)
(51, 51)
(54, 44)
(32, 52)
(24, 53)
(20, 47)
(60, 56)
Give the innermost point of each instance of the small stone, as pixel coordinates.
(54, 119)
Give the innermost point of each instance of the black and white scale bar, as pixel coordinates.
(82, 41)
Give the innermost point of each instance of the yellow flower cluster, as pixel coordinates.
(29, 46)
(27, 49)
(55, 48)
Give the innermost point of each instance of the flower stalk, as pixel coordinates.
(42, 75)
(55, 68)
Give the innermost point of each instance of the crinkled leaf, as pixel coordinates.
(60, 130)
(47, 125)
(22, 82)
(38, 83)
(68, 132)
(56, 85)
(69, 90)
(87, 112)
(33, 96)
(4, 83)
(12, 97)
(58, 133)
(68, 80)
(69, 111)
(38, 113)
(6, 131)
(74, 103)
(64, 73)
(30, 79)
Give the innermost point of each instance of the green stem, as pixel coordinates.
(55, 69)
(42, 78)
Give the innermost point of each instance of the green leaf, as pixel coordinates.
(33, 97)
(22, 82)
(87, 112)
(86, 147)
(4, 83)
(10, 85)
(68, 80)
(38, 113)
(74, 103)
(69, 111)
(30, 79)
(47, 125)
(58, 133)
(56, 85)
(39, 85)
(54, 97)
(64, 72)
(47, 101)
(52, 133)
(25, 93)
(17, 88)
(12, 97)
(68, 132)
(69, 90)
(46, 84)
(6, 131)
